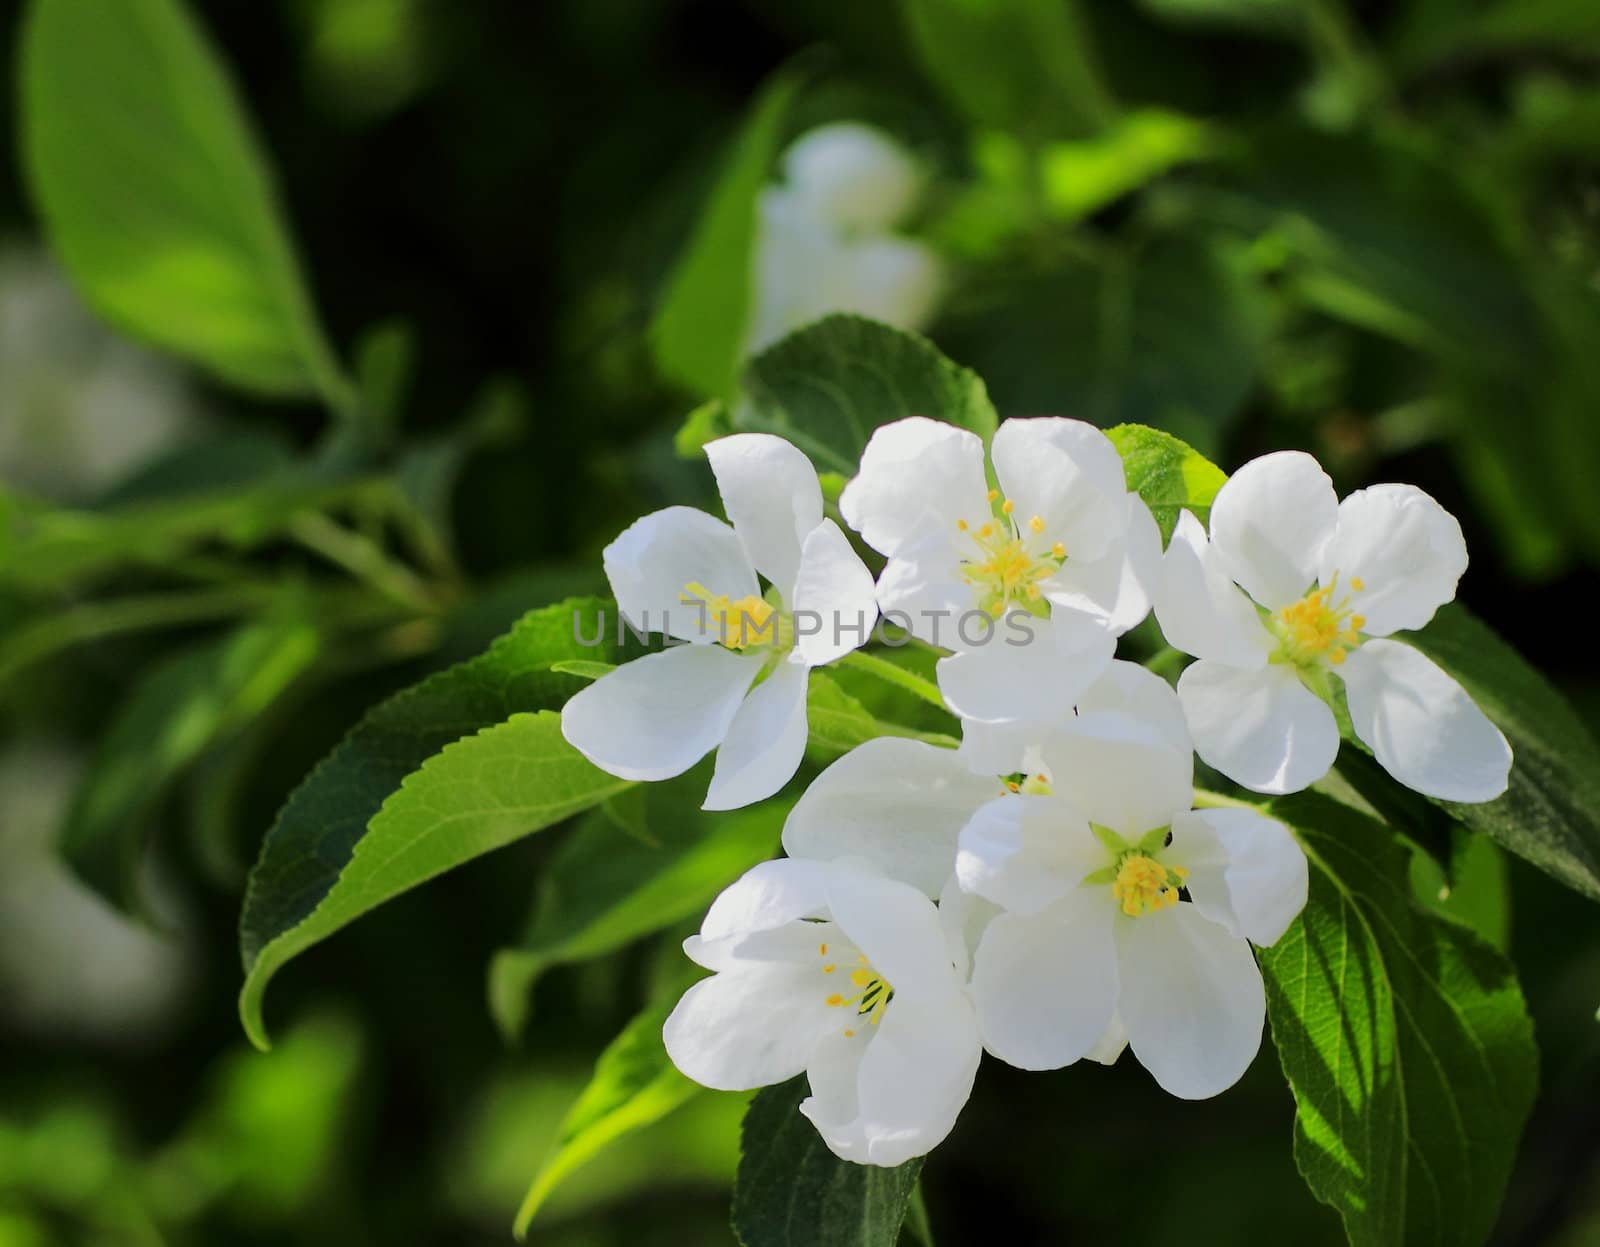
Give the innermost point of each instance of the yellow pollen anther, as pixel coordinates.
(738, 624)
(835, 1000)
(986, 531)
(1318, 627)
(993, 494)
(871, 998)
(1357, 583)
(848, 1033)
(1144, 885)
(962, 525)
(1059, 550)
(1008, 506)
(1036, 524)
(829, 969)
(822, 950)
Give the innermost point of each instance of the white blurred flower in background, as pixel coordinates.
(69, 963)
(826, 240)
(80, 407)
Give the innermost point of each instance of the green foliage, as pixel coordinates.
(634, 1085)
(793, 1192)
(826, 387)
(176, 712)
(1170, 476)
(1024, 66)
(307, 882)
(699, 331)
(1405, 1040)
(158, 199)
(622, 876)
(1550, 814)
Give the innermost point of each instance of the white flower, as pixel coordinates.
(1096, 948)
(1294, 586)
(829, 969)
(1031, 583)
(740, 681)
(823, 242)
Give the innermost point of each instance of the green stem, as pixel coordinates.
(889, 673)
(365, 560)
(1166, 661)
(1205, 799)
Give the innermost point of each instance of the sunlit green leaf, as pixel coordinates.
(298, 891)
(609, 885)
(156, 196)
(1169, 475)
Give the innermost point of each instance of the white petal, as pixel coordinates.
(793, 942)
(921, 590)
(853, 176)
(657, 557)
(1031, 669)
(1045, 985)
(769, 490)
(912, 1081)
(991, 749)
(894, 925)
(1270, 522)
(1405, 549)
(964, 918)
(1068, 474)
(764, 744)
(917, 478)
(793, 252)
(1025, 852)
(1424, 727)
(748, 1028)
(1110, 1045)
(835, 603)
(1136, 692)
(1119, 586)
(768, 896)
(1200, 610)
(1191, 998)
(900, 804)
(1262, 729)
(657, 716)
(1121, 773)
(1245, 871)
(895, 280)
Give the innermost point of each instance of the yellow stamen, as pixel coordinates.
(1357, 583)
(1144, 885)
(1036, 524)
(1008, 506)
(739, 625)
(1319, 627)
(993, 494)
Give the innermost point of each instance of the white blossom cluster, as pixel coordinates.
(1049, 891)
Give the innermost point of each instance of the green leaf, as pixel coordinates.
(171, 717)
(1080, 177)
(698, 334)
(1024, 66)
(1550, 813)
(156, 197)
(609, 884)
(634, 1085)
(791, 1191)
(315, 840)
(839, 721)
(1169, 475)
(1404, 1038)
(477, 795)
(826, 387)
(1474, 890)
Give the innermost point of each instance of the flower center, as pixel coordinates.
(1143, 885)
(872, 995)
(1319, 626)
(739, 624)
(1140, 883)
(1009, 560)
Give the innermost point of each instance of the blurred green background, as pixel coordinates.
(1367, 230)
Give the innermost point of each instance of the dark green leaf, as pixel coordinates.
(699, 332)
(1405, 1039)
(318, 830)
(1550, 814)
(1024, 66)
(156, 196)
(174, 714)
(1168, 474)
(792, 1191)
(826, 387)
